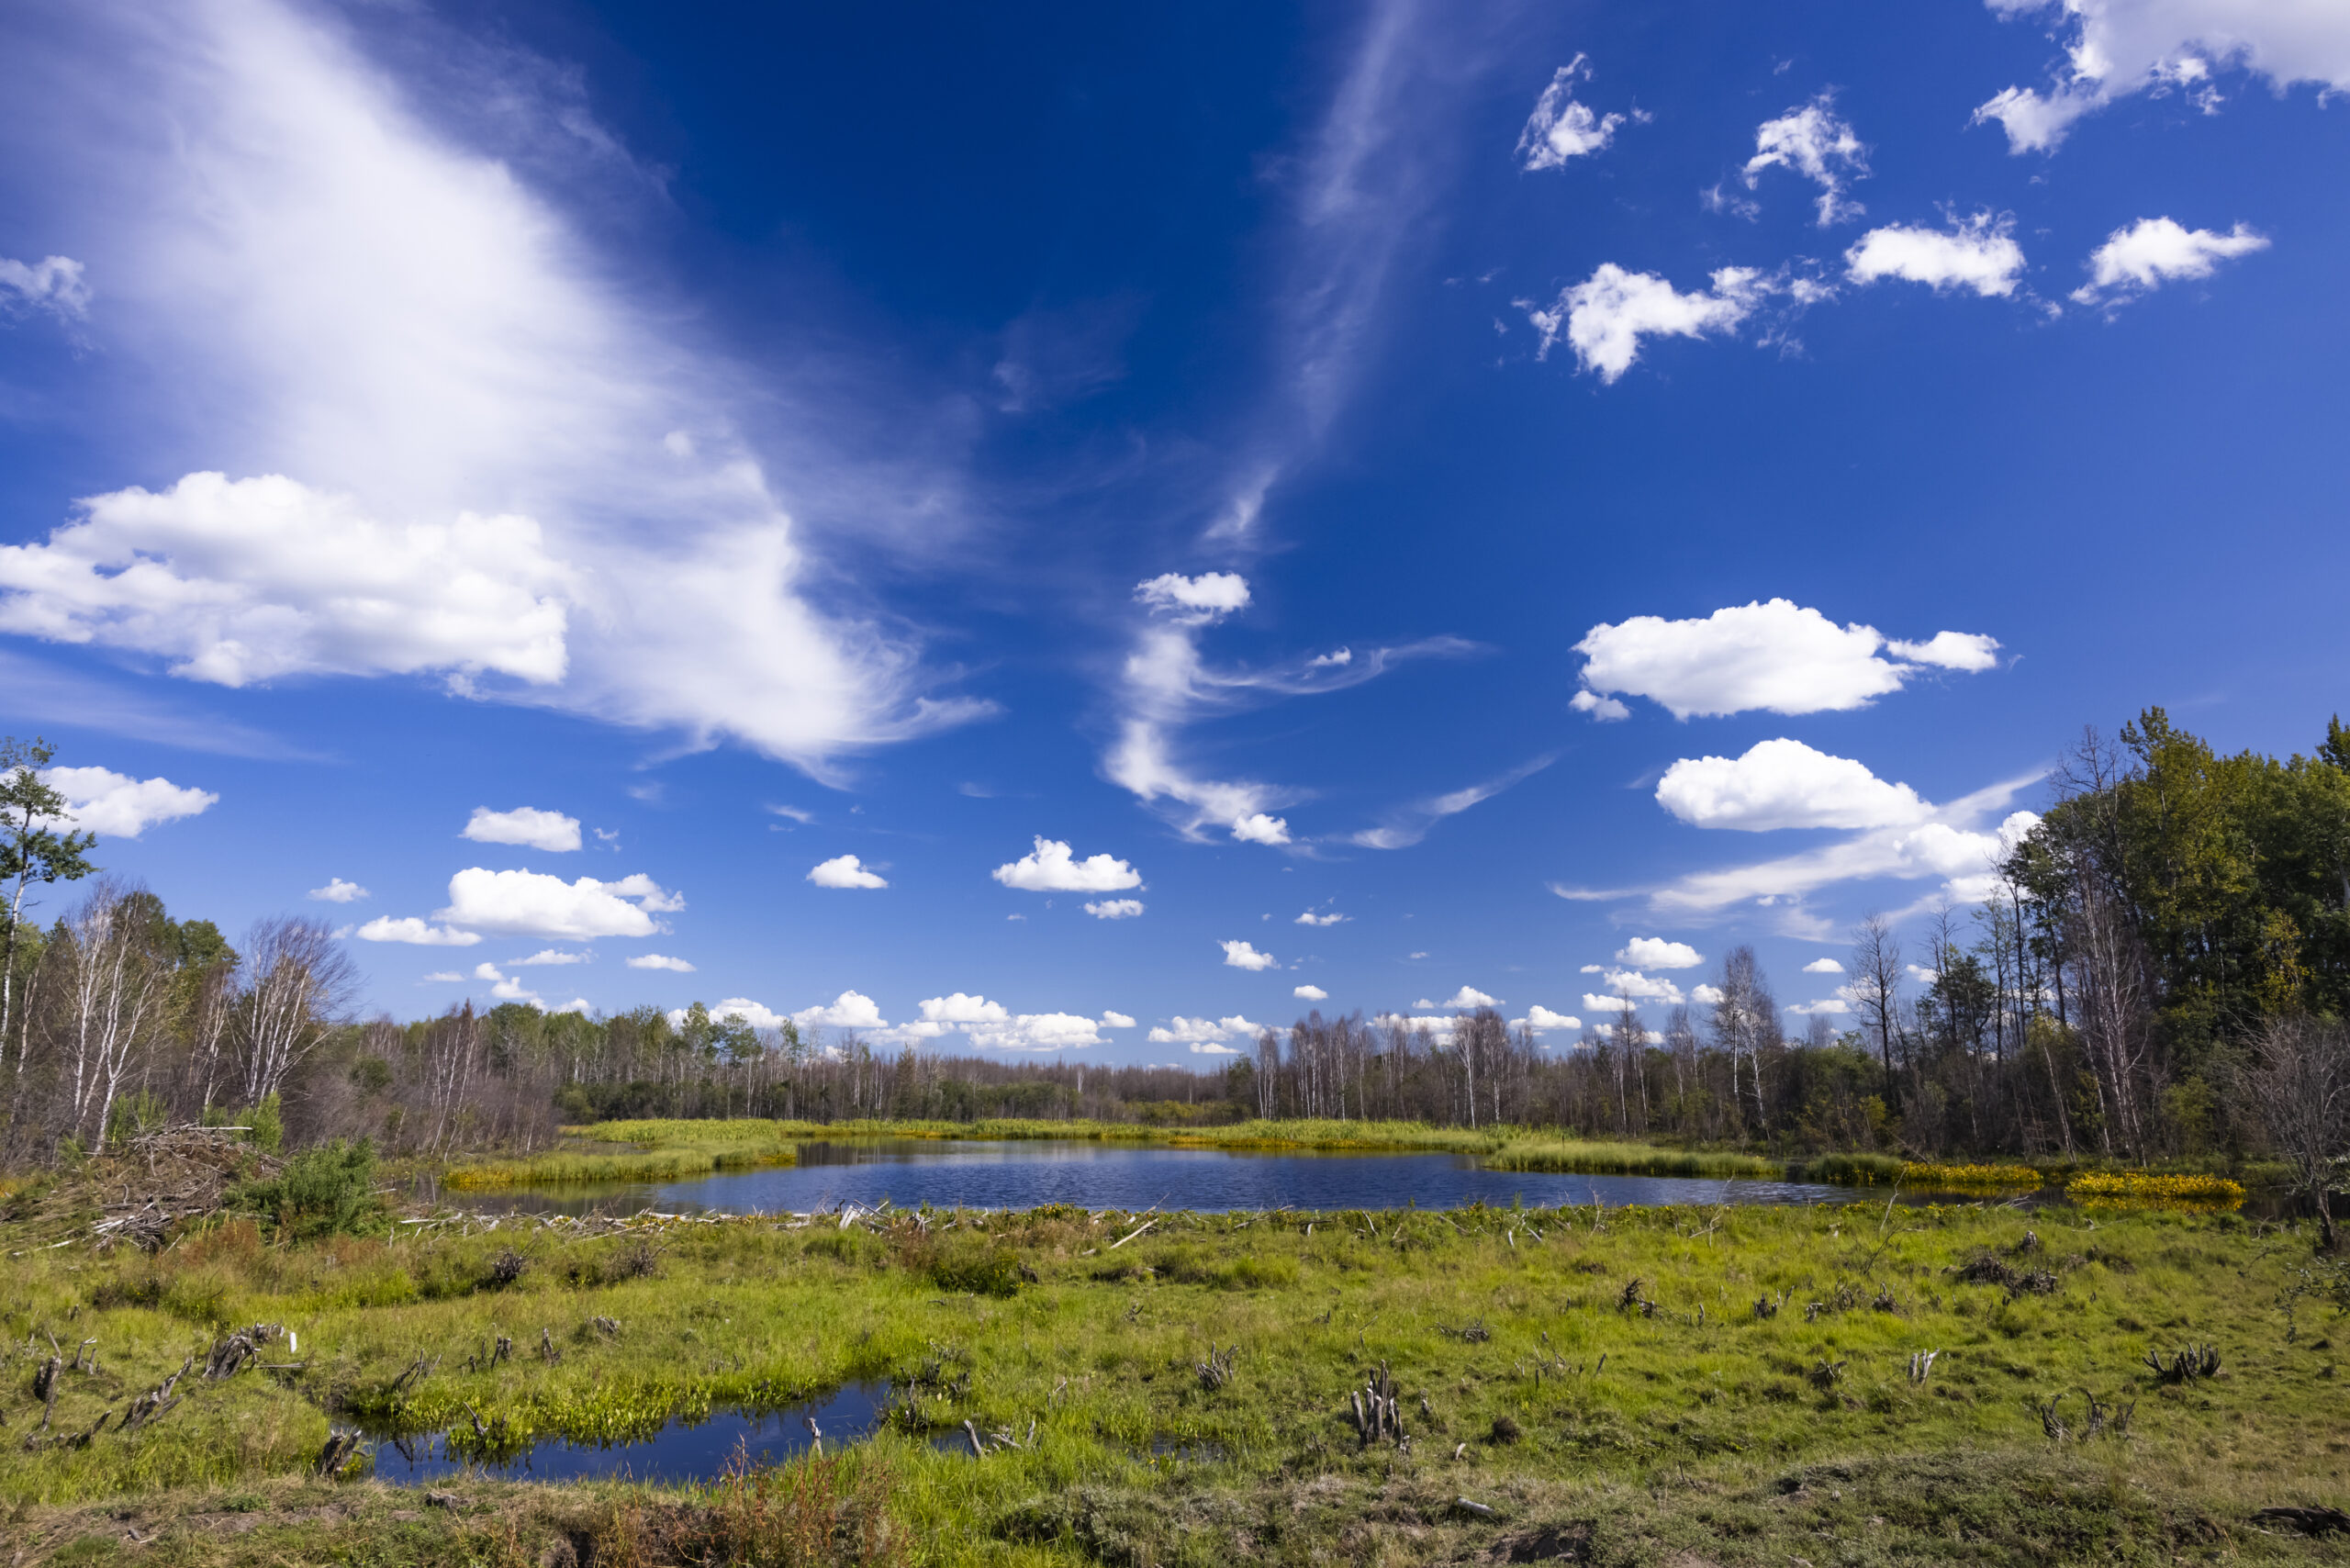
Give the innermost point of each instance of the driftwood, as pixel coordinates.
(1216, 1370)
(341, 1447)
(150, 1406)
(1922, 1364)
(230, 1354)
(2186, 1365)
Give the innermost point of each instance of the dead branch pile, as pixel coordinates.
(145, 1190)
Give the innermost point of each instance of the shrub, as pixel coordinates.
(986, 1273)
(322, 1191)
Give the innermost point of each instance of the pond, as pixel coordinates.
(910, 1172)
(681, 1451)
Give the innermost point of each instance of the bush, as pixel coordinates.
(985, 1273)
(324, 1191)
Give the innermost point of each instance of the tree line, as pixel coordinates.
(2160, 969)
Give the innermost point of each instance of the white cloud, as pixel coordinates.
(660, 961)
(1706, 995)
(1773, 655)
(1260, 827)
(1595, 1003)
(114, 805)
(549, 831)
(1114, 909)
(2123, 46)
(447, 409)
(1656, 953)
(1182, 1031)
(1977, 252)
(578, 1004)
(1310, 994)
(1468, 999)
(1603, 710)
(1335, 659)
(503, 987)
(53, 284)
(740, 1009)
(1642, 988)
(1561, 128)
(961, 1008)
(244, 581)
(531, 903)
(1196, 600)
(1052, 868)
(1827, 1006)
(850, 1010)
(1037, 1032)
(409, 929)
(1594, 968)
(1114, 1020)
(443, 977)
(1784, 783)
(1817, 143)
(1543, 1021)
(2156, 251)
(1332, 918)
(1213, 1050)
(1408, 825)
(551, 957)
(1823, 966)
(844, 872)
(337, 890)
(1605, 317)
(1241, 956)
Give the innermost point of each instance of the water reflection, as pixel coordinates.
(1028, 1174)
(678, 1453)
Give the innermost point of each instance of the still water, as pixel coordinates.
(1022, 1175)
(680, 1451)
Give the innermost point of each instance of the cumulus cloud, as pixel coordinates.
(2154, 250)
(1977, 252)
(2119, 48)
(1468, 999)
(1037, 1032)
(1826, 1006)
(1774, 656)
(1784, 783)
(1706, 995)
(415, 932)
(1603, 710)
(1595, 1001)
(337, 890)
(660, 961)
(1813, 141)
(1196, 1032)
(449, 411)
(53, 284)
(1196, 600)
(504, 989)
(1543, 1021)
(1310, 994)
(1241, 956)
(1656, 953)
(114, 805)
(960, 1007)
(549, 831)
(546, 957)
(844, 872)
(850, 1010)
(1561, 128)
(1261, 827)
(1605, 317)
(1114, 909)
(443, 977)
(1114, 1020)
(1642, 988)
(1331, 917)
(1823, 966)
(734, 1009)
(533, 904)
(1053, 868)
(1214, 1050)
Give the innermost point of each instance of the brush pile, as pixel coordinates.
(146, 1189)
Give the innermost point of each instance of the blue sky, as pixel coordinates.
(1171, 513)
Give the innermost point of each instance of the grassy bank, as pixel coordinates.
(1630, 1385)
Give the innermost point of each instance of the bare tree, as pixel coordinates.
(114, 998)
(1876, 987)
(2300, 1084)
(1744, 1017)
(297, 982)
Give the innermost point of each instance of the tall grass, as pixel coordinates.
(570, 1167)
(1632, 1159)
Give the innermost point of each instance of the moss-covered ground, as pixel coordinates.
(1670, 1386)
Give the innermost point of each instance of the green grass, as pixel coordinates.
(1706, 1430)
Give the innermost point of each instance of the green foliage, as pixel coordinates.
(329, 1191)
(995, 1271)
(135, 1113)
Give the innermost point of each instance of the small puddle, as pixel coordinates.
(682, 1451)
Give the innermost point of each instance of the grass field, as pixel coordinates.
(1669, 1386)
